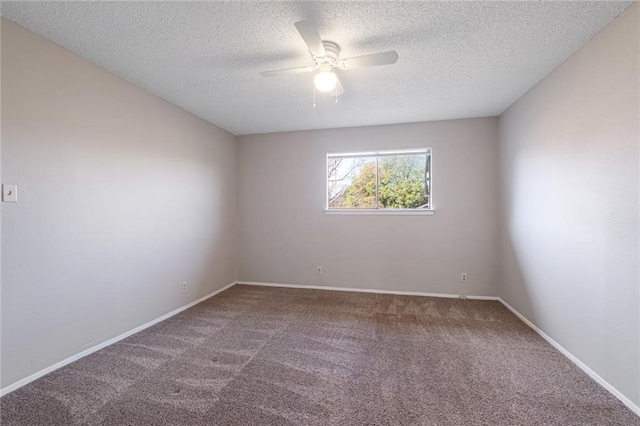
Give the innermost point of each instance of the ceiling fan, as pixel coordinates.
(326, 57)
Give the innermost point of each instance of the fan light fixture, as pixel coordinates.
(325, 81)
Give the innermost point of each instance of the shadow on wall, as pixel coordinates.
(513, 285)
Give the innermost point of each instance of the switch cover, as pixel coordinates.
(10, 193)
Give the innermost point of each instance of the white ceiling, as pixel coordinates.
(457, 59)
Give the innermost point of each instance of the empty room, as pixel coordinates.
(320, 213)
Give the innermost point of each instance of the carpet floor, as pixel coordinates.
(274, 356)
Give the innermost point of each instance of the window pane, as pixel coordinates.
(351, 182)
(403, 181)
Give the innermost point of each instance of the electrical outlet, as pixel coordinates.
(319, 270)
(464, 278)
(183, 288)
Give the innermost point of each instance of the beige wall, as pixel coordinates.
(122, 196)
(570, 171)
(284, 233)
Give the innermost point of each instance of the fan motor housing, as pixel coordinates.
(332, 51)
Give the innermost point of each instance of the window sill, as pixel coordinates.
(383, 212)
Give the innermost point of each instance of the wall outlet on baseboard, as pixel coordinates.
(183, 287)
(319, 270)
(464, 278)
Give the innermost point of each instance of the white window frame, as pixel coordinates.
(380, 211)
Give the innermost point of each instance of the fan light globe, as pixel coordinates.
(325, 81)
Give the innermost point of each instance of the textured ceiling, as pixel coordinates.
(457, 59)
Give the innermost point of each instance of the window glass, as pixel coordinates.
(380, 180)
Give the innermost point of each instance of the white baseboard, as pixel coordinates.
(96, 348)
(626, 401)
(494, 298)
(365, 290)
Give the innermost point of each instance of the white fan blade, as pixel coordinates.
(339, 90)
(311, 37)
(287, 71)
(384, 58)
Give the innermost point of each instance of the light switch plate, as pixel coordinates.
(10, 193)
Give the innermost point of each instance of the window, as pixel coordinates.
(379, 181)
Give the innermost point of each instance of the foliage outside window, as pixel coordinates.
(379, 180)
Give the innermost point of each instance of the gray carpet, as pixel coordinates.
(257, 355)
